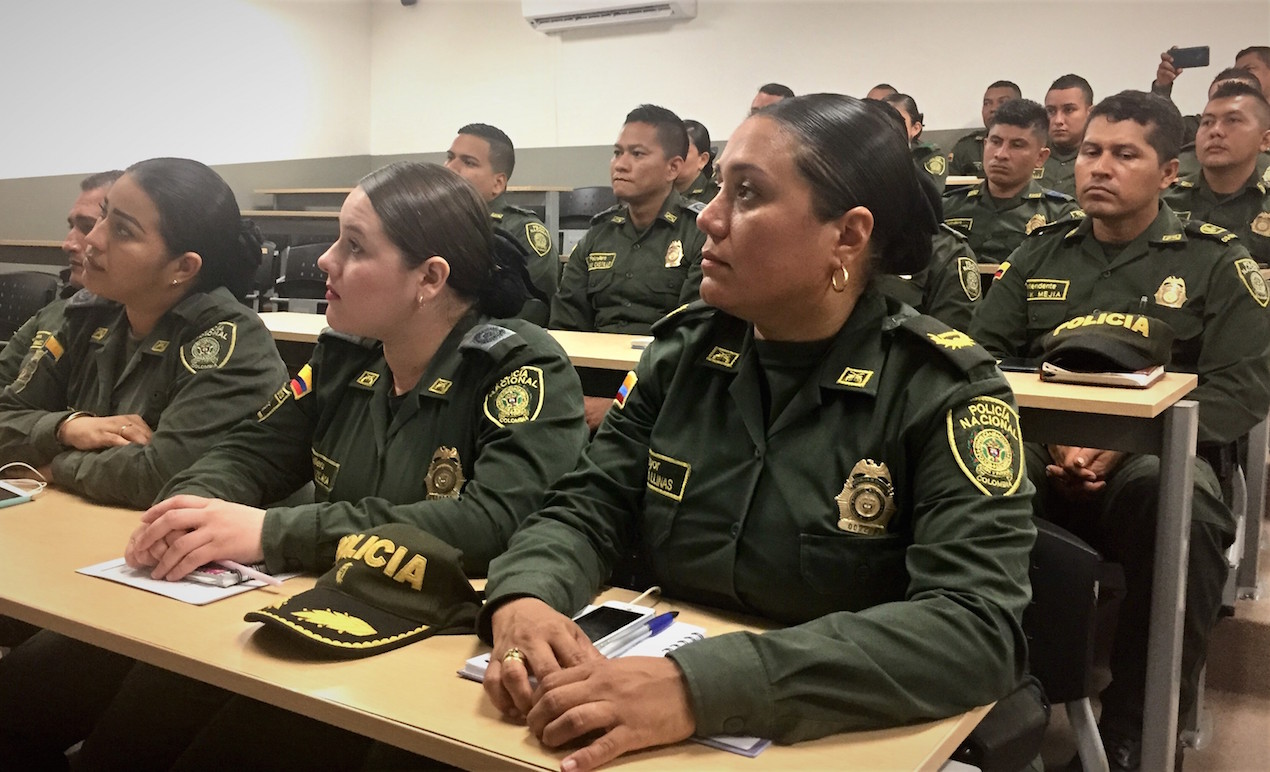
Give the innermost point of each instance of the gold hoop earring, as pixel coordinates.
(833, 280)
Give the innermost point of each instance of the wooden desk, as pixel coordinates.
(410, 697)
(955, 180)
(1159, 422)
(606, 351)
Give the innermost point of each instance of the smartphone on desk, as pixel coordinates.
(10, 494)
(611, 619)
(1195, 56)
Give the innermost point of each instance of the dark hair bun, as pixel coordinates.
(509, 285)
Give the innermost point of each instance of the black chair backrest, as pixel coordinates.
(1059, 622)
(22, 293)
(299, 261)
(578, 206)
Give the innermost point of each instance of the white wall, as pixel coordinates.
(90, 84)
(443, 63)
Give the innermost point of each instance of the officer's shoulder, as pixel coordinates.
(1185, 183)
(960, 193)
(1206, 231)
(1063, 225)
(496, 338)
(612, 211)
(520, 210)
(85, 302)
(687, 315)
(954, 345)
(1057, 195)
(946, 230)
(691, 207)
(975, 136)
(341, 340)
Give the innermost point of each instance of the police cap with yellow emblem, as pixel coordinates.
(1109, 342)
(390, 586)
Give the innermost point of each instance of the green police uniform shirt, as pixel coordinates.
(702, 189)
(1246, 213)
(207, 364)
(46, 320)
(465, 455)
(947, 288)
(996, 227)
(1059, 172)
(524, 226)
(621, 280)
(931, 161)
(888, 525)
(966, 158)
(1196, 278)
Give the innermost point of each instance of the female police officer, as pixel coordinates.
(160, 349)
(158, 359)
(452, 422)
(806, 451)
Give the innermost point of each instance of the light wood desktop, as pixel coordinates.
(411, 697)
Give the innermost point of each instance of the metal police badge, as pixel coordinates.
(1251, 276)
(1172, 292)
(538, 238)
(987, 444)
(936, 164)
(1261, 223)
(212, 349)
(674, 254)
(968, 272)
(445, 474)
(867, 500)
(516, 398)
(1037, 221)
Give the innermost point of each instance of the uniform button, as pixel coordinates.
(758, 452)
(734, 725)
(736, 530)
(630, 275)
(637, 246)
(1106, 274)
(627, 304)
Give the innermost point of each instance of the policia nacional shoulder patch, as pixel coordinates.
(212, 349)
(987, 443)
(516, 398)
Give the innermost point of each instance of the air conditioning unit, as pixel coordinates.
(553, 16)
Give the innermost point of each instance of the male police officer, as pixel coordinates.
(769, 93)
(1067, 103)
(83, 216)
(641, 259)
(1131, 258)
(1234, 133)
(967, 155)
(1009, 204)
(484, 156)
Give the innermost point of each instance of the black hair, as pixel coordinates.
(1160, 116)
(1018, 92)
(1240, 74)
(428, 210)
(1023, 114)
(1070, 80)
(198, 213)
(1261, 52)
(888, 109)
(671, 134)
(850, 155)
(100, 180)
(502, 153)
(907, 104)
(776, 89)
(699, 136)
(1234, 88)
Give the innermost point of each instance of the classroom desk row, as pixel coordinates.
(1156, 420)
(410, 697)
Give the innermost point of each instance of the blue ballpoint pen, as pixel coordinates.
(619, 646)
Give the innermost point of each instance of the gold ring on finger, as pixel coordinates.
(514, 654)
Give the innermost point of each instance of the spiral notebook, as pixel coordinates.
(678, 634)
